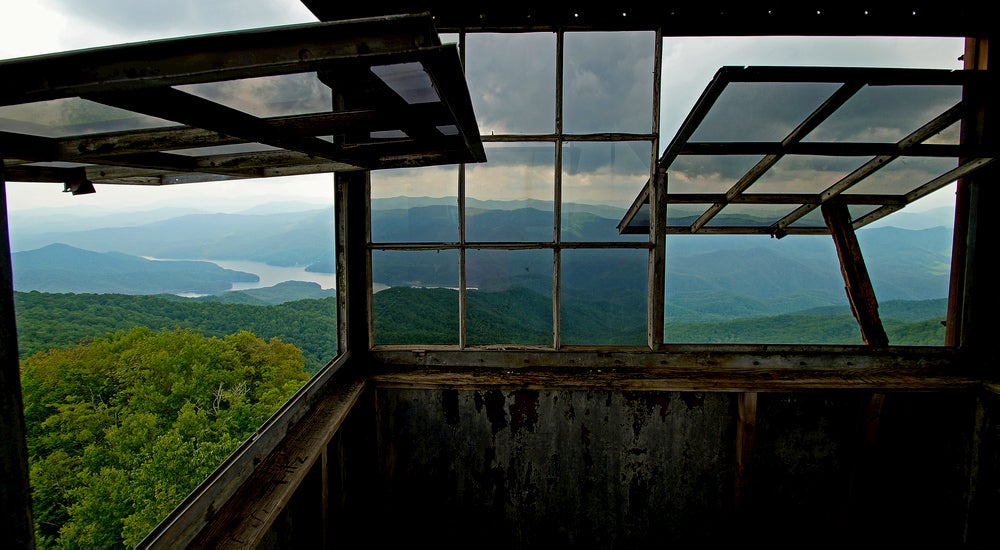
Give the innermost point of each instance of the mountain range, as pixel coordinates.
(708, 276)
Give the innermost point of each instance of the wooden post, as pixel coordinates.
(745, 431)
(973, 298)
(353, 291)
(657, 259)
(15, 491)
(860, 294)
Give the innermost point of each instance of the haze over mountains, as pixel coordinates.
(57, 252)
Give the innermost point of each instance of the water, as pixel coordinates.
(271, 275)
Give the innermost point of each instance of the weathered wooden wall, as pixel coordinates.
(511, 468)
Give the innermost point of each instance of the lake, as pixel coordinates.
(271, 275)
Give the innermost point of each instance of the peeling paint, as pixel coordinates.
(524, 411)
(449, 403)
(693, 400)
(494, 401)
(663, 400)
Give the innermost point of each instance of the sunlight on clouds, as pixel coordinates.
(432, 181)
(20, 24)
(220, 196)
(270, 95)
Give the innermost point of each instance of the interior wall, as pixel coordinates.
(502, 468)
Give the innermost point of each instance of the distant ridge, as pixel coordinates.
(63, 268)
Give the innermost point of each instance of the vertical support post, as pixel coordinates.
(745, 432)
(973, 295)
(557, 199)
(463, 290)
(657, 258)
(656, 278)
(353, 292)
(15, 490)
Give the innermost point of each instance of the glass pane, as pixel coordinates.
(604, 297)
(415, 205)
(608, 82)
(683, 81)
(949, 136)
(886, 114)
(708, 173)
(682, 215)
(940, 204)
(904, 174)
(509, 297)
(510, 197)
(599, 181)
(291, 94)
(409, 80)
(805, 174)
(814, 219)
(71, 117)
(525, 104)
(416, 296)
(750, 215)
(761, 111)
(233, 149)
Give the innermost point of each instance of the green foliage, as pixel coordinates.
(46, 321)
(424, 316)
(122, 428)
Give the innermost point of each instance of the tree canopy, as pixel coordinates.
(120, 429)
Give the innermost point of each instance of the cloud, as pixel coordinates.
(607, 79)
(165, 18)
(512, 81)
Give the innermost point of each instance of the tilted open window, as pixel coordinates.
(765, 146)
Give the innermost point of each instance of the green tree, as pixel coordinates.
(122, 428)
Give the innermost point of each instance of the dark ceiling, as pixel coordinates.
(690, 18)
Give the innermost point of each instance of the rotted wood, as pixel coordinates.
(246, 517)
(691, 378)
(858, 285)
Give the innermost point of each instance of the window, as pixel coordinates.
(758, 289)
(533, 221)
(523, 250)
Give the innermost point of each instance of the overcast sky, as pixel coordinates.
(30, 27)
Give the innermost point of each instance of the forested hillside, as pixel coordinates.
(120, 429)
(430, 316)
(46, 321)
(63, 268)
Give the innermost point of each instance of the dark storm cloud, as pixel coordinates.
(512, 81)
(608, 82)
